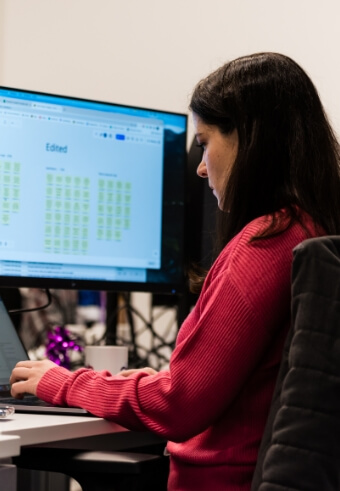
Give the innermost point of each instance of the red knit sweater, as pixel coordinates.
(212, 404)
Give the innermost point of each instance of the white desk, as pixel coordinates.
(19, 430)
(9, 446)
(63, 431)
(35, 429)
(83, 432)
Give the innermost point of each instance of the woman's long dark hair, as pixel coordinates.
(288, 154)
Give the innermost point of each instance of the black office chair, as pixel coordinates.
(300, 449)
(101, 471)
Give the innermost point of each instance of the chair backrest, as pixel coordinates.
(300, 449)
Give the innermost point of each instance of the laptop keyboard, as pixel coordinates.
(26, 401)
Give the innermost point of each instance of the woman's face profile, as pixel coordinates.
(219, 154)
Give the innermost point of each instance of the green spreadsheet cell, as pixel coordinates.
(67, 218)
(86, 195)
(58, 205)
(58, 217)
(48, 216)
(57, 230)
(86, 182)
(109, 197)
(59, 180)
(77, 194)
(117, 235)
(57, 243)
(101, 184)
(77, 181)
(75, 245)
(7, 167)
(15, 207)
(49, 179)
(16, 193)
(100, 221)
(75, 232)
(127, 198)
(127, 224)
(76, 220)
(84, 245)
(118, 198)
(109, 209)
(5, 218)
(48, 229)
(7, 179)
(101, 209)
(127, 211)
(47, 243)
(101, 196)
(6, 206)
(85, 207)
(58, 193)
(85, 219)
(66, 244)
(68, 180)
(16, 167)
(67, 206)
(49, 204)
(118, 222)
(67, 231)
(85, 233)
(108, 234)
(109, 221)
(49, 191)
(119, 185)
(76, 207)
(128, 186)
(110, 185)
(100, 234)
(68, 193)
(16, 180)
(118, 210)
(6, 192)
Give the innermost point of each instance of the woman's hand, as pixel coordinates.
(127, 373)
(26, 376)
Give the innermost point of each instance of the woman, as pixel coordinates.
(272, 161)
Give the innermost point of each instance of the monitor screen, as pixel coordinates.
(92, 194)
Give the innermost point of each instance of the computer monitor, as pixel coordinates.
(92, 194)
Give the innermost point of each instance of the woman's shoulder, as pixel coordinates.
(252, 244)
(281, 225)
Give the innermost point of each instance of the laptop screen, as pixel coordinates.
(11, 348)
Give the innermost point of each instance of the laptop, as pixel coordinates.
(12, 351)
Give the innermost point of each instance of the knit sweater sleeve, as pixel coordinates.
(218, 346)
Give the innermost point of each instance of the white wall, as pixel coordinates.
(152, 52)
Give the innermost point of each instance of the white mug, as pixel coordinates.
(111, 358)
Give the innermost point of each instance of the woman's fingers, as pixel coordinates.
(19, 373)
(127, 373)
(26, 376)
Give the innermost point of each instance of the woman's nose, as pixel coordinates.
(202, 169)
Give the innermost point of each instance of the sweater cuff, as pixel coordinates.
(51, 387)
